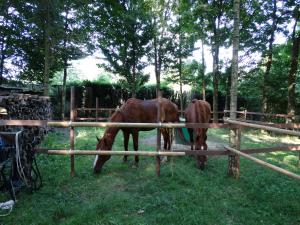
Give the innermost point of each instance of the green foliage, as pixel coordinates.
(124, 32)
(251, 82)
(22, 41)
(110, 95)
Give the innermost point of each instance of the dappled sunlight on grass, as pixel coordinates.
(266, 137)
(150, 168)
(286, 160)
(218, 135)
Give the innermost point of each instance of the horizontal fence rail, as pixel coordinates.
(210, 152)
(119, 153)
(277, 125)
(23, 122)
(110, 124)
(261, 114)
(265, 164)
(258, 126)
(94, 109)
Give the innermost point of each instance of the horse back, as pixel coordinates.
(145, 111)
(198, 111)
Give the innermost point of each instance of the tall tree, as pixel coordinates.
(214, 20)
(46, 32)
(183, 40)
(124, 32)
(293, 64)
(41, 48)
(235, 55)
(234, 161)
(162, 38)
(12, 37)
(271, 30)
(74, 38)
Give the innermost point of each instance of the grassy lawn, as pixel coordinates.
(183, 194)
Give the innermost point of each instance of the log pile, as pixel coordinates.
(25, 107)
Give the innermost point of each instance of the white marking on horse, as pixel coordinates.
(96, 159)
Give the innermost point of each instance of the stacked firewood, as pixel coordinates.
(27, 107)
(24, 107)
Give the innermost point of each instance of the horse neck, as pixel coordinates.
(111, 132)
(110, 135)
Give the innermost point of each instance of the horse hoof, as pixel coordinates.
(201, 166)
(96, 171)
(164, 159)
(135, 166)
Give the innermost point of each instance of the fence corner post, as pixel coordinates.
(234, 159)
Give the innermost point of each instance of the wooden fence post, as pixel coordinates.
(234, 160)
(158, 137)
(245, 114)
(72, 117)
(97, 107)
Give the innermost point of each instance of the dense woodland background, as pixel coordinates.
(40, 38)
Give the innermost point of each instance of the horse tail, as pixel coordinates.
(199, 116)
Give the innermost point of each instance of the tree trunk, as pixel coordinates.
(63, 94)
(3, 47)
(134, 82)
(46, 52)
(265, 86)
(294, 67)
(215, 82)
(203, 72)
(234, 64)
(65, 60)
(2, 58)
(156, 65)
(235, 134)
(228, 88)
(180, 77)
(215, 51)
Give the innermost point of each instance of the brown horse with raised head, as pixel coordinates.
(136, 111)
(198, 111)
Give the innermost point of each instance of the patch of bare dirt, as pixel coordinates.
(151, 141)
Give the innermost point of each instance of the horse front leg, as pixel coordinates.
(126, 135)
(203, 158)
(135, 136)
(191, 138)
(167, 143)
(165, 134)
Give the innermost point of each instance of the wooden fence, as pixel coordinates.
(233, 151)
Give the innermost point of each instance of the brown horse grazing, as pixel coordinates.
(136, 111)
(198, 111)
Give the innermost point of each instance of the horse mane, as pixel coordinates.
(116, 116)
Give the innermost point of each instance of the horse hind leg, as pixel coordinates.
(126, 140)
(135, 136)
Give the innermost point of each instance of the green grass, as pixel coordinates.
(182, 194)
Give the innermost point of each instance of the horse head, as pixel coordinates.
(104, 143)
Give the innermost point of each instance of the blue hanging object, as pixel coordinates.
(182, 135)
(2, 143)
(3, 153)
